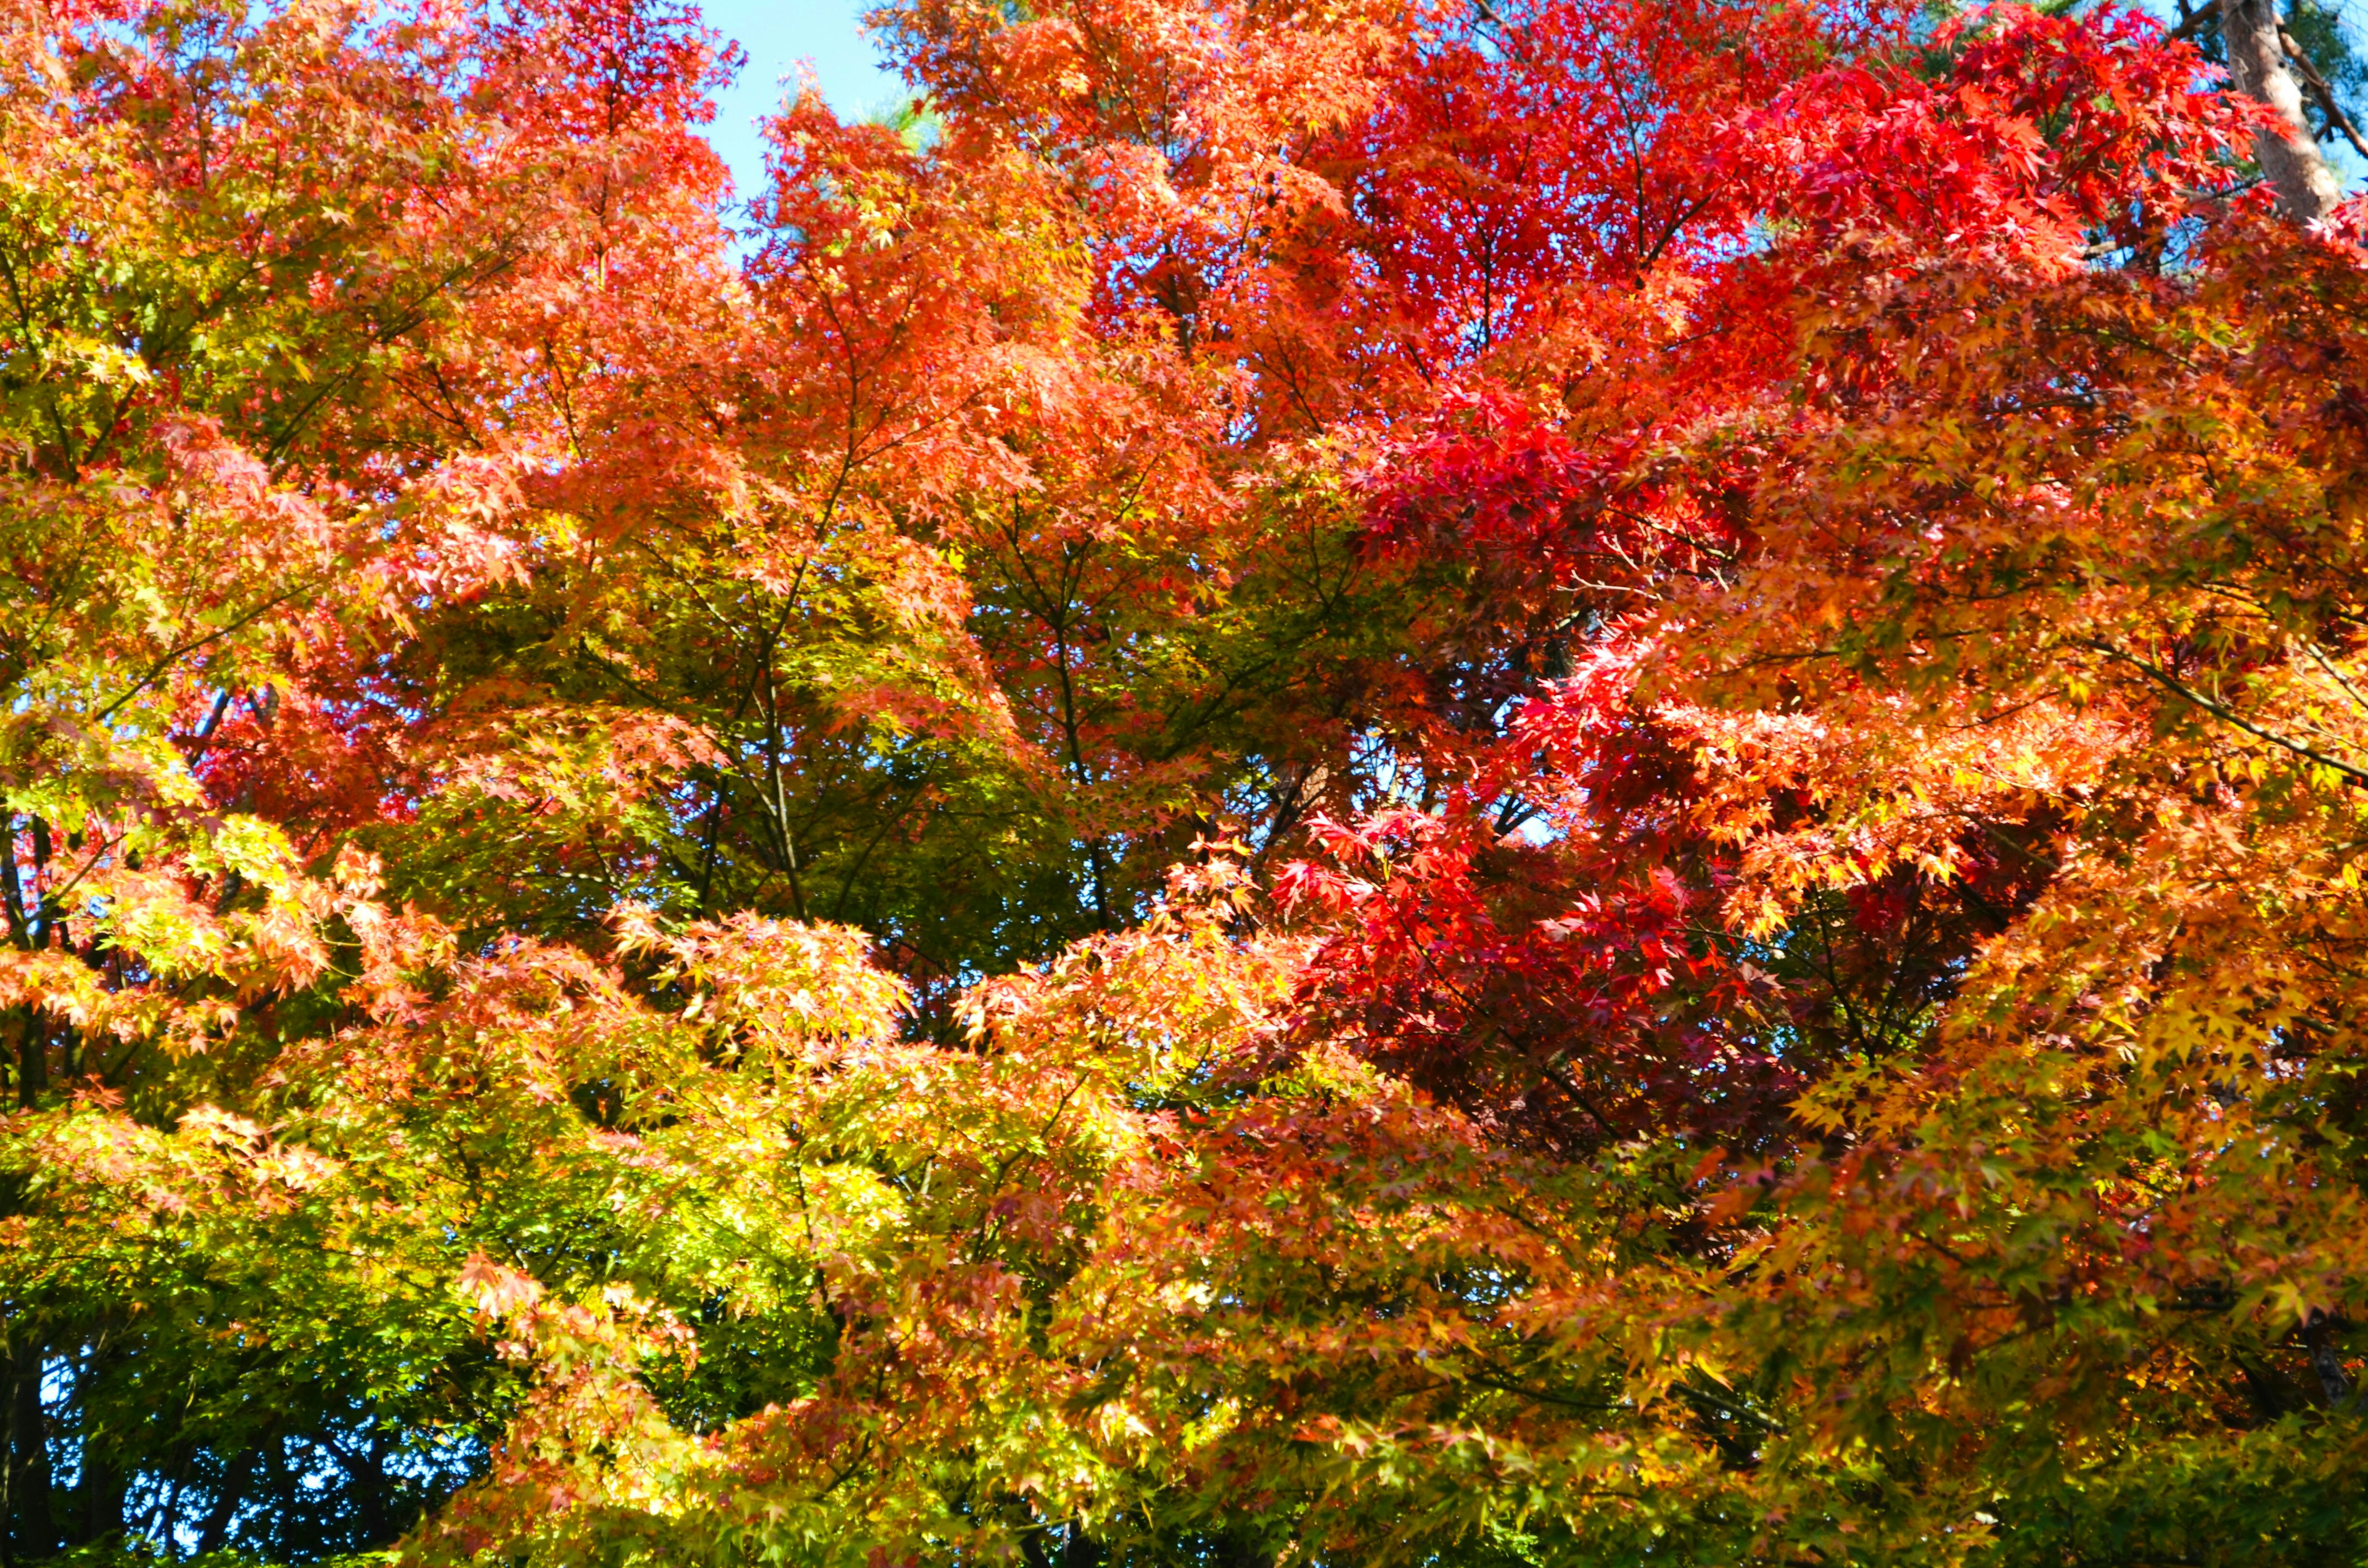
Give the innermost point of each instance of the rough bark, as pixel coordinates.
(2290, 157)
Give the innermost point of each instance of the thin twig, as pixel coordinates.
(2357, 777)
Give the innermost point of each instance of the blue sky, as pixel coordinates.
(778, 34)
(826, 34)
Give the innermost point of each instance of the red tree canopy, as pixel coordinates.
(1531, 782)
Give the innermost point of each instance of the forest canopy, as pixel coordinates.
(1302, 784)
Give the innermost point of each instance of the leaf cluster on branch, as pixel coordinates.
(1383, 781)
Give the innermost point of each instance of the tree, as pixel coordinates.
(2301, 66)
(281, 290)
(2256, 44)
(1559, 783)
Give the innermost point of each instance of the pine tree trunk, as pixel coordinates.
(2306, 185)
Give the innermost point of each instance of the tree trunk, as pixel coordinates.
(31, 1530)
(2306, 185)
(215, 1532)
(32, 1056)
(97, 1509)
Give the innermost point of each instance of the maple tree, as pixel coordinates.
(1571, 781)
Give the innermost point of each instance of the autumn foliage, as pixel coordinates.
(1516, 782)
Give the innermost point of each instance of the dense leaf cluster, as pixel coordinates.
(1372, 782)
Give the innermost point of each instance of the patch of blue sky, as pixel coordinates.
(783, 37)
